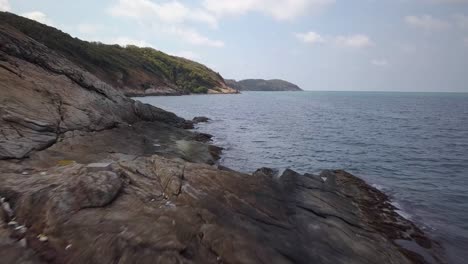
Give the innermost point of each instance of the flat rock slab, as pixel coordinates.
(164, 210)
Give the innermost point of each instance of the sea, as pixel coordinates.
(412, 146)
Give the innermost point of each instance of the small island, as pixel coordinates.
(275, 85)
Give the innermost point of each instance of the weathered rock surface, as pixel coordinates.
(43, 95)
(132, 70)
(158, 210)
(152, 193)
(200, 119)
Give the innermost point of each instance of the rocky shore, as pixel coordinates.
(88, 175)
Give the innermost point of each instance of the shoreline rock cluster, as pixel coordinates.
(88, 175)
(151, 209)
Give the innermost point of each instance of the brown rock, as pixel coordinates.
(43, 95)
(154, 209)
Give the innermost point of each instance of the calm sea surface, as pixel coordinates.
(413, 146)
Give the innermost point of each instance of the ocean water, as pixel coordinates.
(413, 146)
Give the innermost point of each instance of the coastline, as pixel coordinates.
(336, 202)
(89, 175)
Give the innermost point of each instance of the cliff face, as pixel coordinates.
(43, 95)
(134, 71)
(263, 85)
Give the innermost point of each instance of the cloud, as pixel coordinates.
(278, 9)
(5, 5)
(172, 18)
(461, 20)
(354, 41)
(465, 40)
(39, 17)
(449, 1)
(125, 41)
(193, 37)
(172, 12)
(310, 37)
(379, 62)
(89, 29)
(351, 41)
(427, 23)
(187, 54)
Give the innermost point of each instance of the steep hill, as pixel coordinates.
(133, 70)
(263, 85)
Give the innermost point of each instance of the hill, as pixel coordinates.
(263, 85)
(133, 70)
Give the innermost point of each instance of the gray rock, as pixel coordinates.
(43, 95)
(97, 167)
(150, 208)
(200, 119)
(96, 189)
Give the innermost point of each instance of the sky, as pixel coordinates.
(339, 45)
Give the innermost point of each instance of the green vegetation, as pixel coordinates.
(201, 90)
(130, 66)
(262, 85)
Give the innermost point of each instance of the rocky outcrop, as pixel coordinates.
(263, 85)
(159, 210)
(43, 95)
(90, 176)
(132, 70)
(200, 119)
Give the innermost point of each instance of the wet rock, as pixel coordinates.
(202, 137)
(268, 172)
(200, 119)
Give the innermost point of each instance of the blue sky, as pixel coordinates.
(379, 45)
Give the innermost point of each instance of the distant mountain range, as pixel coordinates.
(262, 85)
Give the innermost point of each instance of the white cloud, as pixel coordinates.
(449, 1)
(172, 12)
(380, 62)
(125, 41)
(122, 41)
(89, 29)
(171, 18)
(427, 22)
(5, 5)
(187, 54)
(39, 17)
(461, 20)
(354, 41)
(351, 41)
(310, 37)
(278, 9)
(193, 37)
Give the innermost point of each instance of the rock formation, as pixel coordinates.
(88, 175)
(132, 70)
